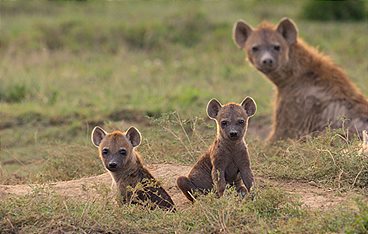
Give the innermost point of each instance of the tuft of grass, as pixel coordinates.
(328, 159)
(14, 93)
(179, 140)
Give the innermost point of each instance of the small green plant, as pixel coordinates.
(51, 100)
(360, 224)
(347, 10)
(14, 93)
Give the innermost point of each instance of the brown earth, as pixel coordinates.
(88, 188)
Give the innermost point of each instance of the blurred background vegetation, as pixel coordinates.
(335, 10)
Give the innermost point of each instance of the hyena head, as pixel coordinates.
(116, 148)
(232, 118)
(267, 47)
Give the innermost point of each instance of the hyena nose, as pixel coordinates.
(113, 165)
(267, 61)
(233, 134)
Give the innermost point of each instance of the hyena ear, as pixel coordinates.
(288, 30)
(134, 136)
(249, 106)
(241, 32)
(213, 108)
(97, 135)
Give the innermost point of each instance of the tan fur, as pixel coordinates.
(134, 182)
(312, 92)
(226, 161)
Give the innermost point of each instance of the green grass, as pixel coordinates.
(68, 66)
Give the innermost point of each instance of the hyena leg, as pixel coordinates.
(187, 187)
(218, 177)
(239, 185)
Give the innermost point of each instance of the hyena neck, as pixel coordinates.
(308, 67)
(130, 172)
(229, 145)
(302, 60)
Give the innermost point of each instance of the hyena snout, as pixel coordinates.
(112, 166)
(233, 134)
(267, 62)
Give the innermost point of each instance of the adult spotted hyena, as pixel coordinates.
(312, 92)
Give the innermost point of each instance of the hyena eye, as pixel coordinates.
(241, 121)
(276, 47)
(122, 152)
(255, 48)
(105, 151)
(223, 123)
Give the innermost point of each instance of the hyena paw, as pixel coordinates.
(242, 191)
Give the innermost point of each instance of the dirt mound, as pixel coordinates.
(85, 188)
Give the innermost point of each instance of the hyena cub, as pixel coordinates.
(226, 161)
(135, 183)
